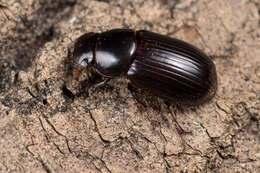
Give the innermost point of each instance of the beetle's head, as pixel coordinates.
(84, 49)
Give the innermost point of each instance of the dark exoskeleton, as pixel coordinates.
(169, 68)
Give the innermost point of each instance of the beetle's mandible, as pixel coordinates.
(167, 67)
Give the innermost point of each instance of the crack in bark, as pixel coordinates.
(87, 154)
(219, 148)
(67, 143)
(57, 132)
(222, 109)
(136, 152)
(4, 8)
(44, 166)
(27, 147)
(106, 142)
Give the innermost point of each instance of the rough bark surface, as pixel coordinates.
(46, 127)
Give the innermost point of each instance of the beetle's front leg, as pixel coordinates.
(100, 84)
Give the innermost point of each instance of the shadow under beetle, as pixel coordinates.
(167, 67)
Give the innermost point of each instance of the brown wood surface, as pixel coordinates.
(44, 129)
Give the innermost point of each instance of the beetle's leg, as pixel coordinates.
(186, 27)
(144, 98)
(133, 91)
(178, 127)
(100, 84)
(221, 56)
(180, 130)
(177, 29)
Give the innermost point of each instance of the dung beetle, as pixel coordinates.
(166, 67)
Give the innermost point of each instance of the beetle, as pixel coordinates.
(169, 68)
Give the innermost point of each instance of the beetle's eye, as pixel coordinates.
(85, 59)
(85, 62)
